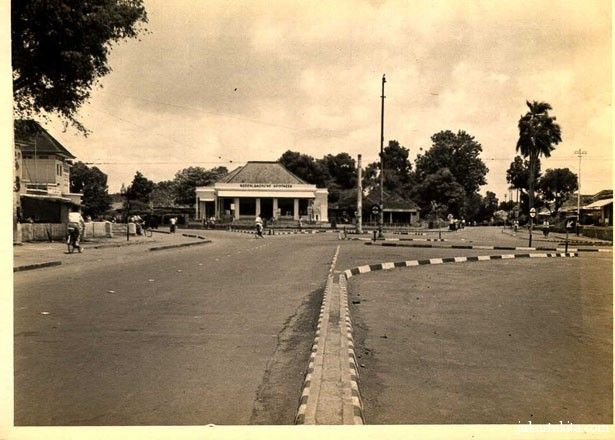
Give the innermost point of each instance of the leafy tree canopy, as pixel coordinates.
(518, 173)
(459, 153)
(163, 193)
(60, 50)
(342, 170)
(140, 189)
(306, 168)
(489, 205)
(442, 188)
(188, 179)
(557, 185)
(398, 177)
(92, 182)
(538, 131)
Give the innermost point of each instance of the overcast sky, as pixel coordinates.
(217, 81)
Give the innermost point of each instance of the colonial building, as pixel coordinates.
(42, 175)
(265, 188)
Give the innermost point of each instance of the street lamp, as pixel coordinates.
(381, 218)
(124, 192)
(579, 153)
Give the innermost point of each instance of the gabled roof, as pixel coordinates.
(262, 172)
(30, 137)
(604, 194)
(390, 201)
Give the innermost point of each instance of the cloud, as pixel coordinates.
(249, 80)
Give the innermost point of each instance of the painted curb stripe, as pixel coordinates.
(310, 376)
(481, 247)
(397, 264)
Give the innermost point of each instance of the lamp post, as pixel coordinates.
(124, 192)
(381, 218)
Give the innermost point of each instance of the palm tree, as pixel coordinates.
(538, 132)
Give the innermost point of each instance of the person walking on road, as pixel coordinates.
(545, 228)
(173, 222)
(258, 221)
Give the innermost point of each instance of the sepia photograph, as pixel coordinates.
(253, 219)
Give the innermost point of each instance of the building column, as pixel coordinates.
(296, 209)
(258, 205)
(198, 206)
(275, 208)
(236, 203)
(391, 217)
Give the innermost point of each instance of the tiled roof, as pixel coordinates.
(30, 136)
(262, 172)
(390, 201)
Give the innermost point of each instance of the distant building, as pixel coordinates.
(601, 208)
(43, 174)
(596, 209)
(265, 188)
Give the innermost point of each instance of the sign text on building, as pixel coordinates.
(265, 185)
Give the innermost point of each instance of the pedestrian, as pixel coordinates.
(300, 225)
(173, 222)
(545, 228)
(258, 222)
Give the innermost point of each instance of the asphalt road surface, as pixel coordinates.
(504, 342)
(218, 333)
(221, 333)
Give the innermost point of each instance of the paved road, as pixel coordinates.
(490, 342)
(218, 333)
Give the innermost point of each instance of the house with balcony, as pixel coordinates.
(42, 179)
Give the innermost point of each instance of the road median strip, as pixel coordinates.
(483, 247)
(173, 246)
(412, 263)
(330, 394)
(36, 266)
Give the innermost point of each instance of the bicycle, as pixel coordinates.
(72, 240)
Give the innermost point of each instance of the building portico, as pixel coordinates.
(265, 188)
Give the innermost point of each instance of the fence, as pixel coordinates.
(57, 231)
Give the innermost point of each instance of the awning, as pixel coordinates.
(49, 198)
(599, 204)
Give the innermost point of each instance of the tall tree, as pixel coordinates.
(557, 185)
(140, 189)
(306, 168)
(341, 169)
(60, 50)
(92, 182)
(442, 188)
(459, 153)
(489, 205)
(188, 179)
(398, 176)
(538, 133)
(163, 193)
(518, 173)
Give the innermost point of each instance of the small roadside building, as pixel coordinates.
(397, 210)
(265, 188)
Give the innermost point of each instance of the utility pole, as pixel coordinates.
(359, 197)
(579, 153)
(381, 219)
